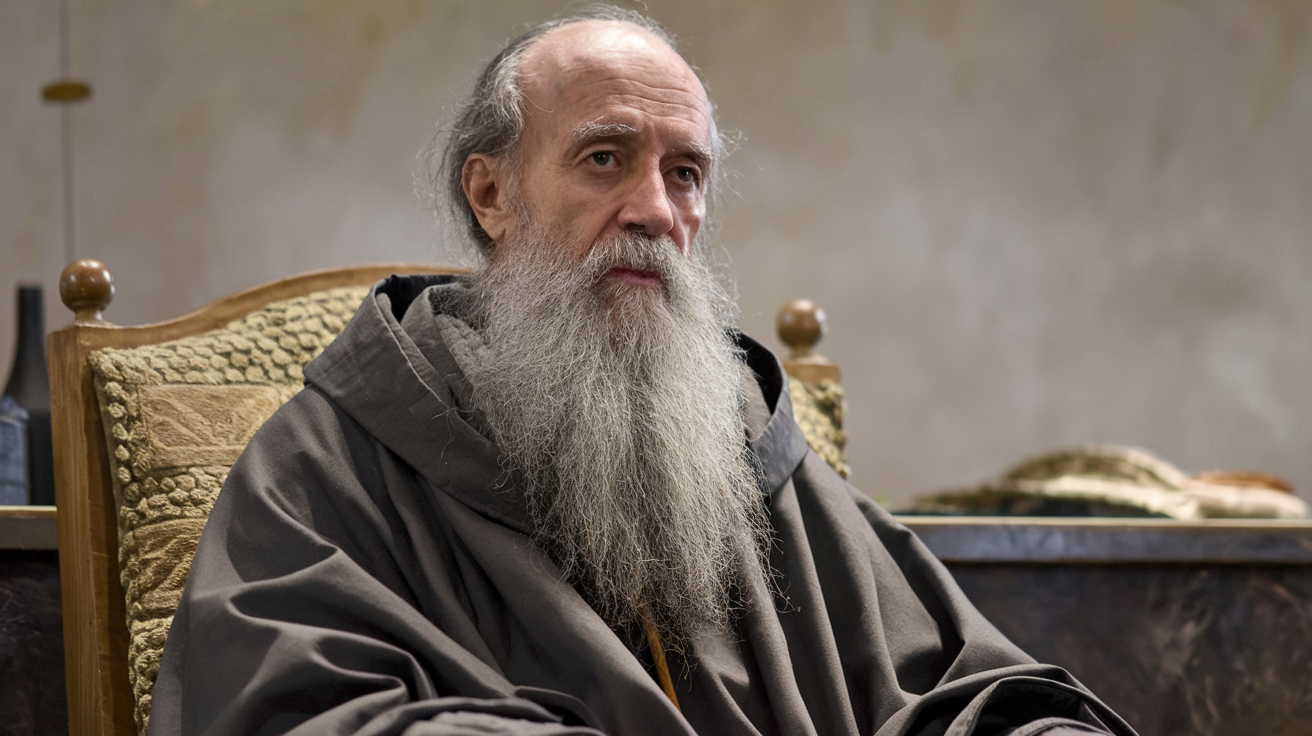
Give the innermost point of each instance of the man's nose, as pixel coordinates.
(647, 206)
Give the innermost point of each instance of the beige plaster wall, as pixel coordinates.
(1033, 224)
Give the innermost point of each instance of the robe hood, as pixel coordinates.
(407, 391)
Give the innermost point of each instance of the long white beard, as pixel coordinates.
(621, 406)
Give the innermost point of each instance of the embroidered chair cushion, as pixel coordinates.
(176, 416)
(818, 408)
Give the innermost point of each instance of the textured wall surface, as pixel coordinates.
(1033, 224)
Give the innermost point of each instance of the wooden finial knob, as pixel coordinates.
(86, 287)
(801, 324)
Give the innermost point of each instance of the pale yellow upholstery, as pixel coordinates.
(818, 408)
(177, 414)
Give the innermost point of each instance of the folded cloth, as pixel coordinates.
(1110, 480)
(1054, 727)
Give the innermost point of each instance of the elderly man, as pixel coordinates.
(565, 496)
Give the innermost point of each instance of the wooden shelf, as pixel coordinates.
(28, 527)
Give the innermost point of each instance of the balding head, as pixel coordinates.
(534, 71)
(565, 56)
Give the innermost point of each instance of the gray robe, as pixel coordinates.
(367, 569)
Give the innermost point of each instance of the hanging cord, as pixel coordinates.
(66, 133)
(658, 656)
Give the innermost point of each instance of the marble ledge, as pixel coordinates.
(1051, 540)
(28, 528)
(981, 539)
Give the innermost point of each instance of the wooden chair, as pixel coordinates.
(91, 511)
(100, 701)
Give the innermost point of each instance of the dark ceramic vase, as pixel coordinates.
(29, 387)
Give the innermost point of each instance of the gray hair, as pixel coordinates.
(491, 121)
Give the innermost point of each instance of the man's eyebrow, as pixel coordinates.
(701, 154)
(594, 129)
(588, 133)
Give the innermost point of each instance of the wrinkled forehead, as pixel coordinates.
(614, 61)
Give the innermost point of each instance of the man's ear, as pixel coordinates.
(484, 181)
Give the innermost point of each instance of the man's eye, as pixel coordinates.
(602, 158)
(686, 174)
